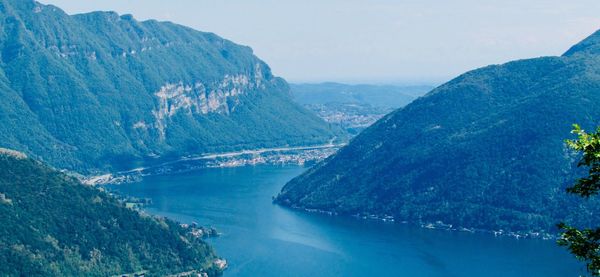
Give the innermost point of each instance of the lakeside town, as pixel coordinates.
(304, 156)
(353, 117)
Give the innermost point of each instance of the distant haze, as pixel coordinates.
(375, 41)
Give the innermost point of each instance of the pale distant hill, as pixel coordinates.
(383, 96)
(354, 107)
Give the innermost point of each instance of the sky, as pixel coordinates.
(375, 41)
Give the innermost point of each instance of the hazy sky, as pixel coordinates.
(381, 41)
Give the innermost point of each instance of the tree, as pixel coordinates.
(584, 244)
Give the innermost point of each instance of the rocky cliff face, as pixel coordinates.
(98, 91)
(199, 98)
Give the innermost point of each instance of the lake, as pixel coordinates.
(262, 239)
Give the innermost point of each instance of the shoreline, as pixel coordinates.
(284, 156)
(438, 225)
(298, 155)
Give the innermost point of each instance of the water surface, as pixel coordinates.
(262, 239)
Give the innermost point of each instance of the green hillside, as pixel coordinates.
(99, 91)
(54, 226)
(484, 151)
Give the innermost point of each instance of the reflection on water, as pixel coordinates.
(262, 239)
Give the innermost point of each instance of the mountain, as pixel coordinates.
(38, 236)
(483, 151)
(381, 96)
(99, 91)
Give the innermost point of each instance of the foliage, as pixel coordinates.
(589, 144)
(585, 243)
(483, 151)
(51, 225)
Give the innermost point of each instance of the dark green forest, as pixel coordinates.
(52, 225)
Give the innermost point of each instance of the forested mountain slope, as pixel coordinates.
(52, 225)
(485, 150)
(97, 91)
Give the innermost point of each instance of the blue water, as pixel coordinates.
(262, 239)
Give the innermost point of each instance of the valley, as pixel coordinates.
(141, 146)
(355, 107)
